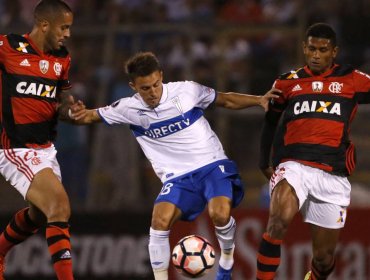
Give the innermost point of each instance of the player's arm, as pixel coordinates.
(90, 116)
(269, 126)
(67, 106)
(236, 101)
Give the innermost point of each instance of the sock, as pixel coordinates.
(159, 252)
(19, 229)
(268, 257)
(57, 236)
(225, 236)
(316, 274)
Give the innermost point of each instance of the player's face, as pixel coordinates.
(150, 88)
(319, 53)
(58, 31)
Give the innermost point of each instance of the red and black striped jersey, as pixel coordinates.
(30, 84)
(317, 113)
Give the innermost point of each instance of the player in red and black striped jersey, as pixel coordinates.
(33, 96)
(312, 154)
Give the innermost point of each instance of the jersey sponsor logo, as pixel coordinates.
(36, 89)
(342, 216)
(293, 75)
(335, 87)
(44, 66)
(317, 86)
(297, 87)
(25, 62)
(23, 47)
(57, 68)
(168, 127)
(318, 107)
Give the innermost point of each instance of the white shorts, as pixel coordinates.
(19, 166)
(323, 197)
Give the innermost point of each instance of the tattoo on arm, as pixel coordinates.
(66, 100)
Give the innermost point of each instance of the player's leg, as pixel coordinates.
(163, 217)
(23, 225)
(219, 209)
(223, 189)
(324, 241)
(47, 193)
(283, 207)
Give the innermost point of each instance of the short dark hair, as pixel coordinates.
(48, 9)
(322, 30)
(142, 64)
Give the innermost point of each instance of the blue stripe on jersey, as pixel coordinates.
(169, 126)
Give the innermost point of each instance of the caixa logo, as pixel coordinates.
(36, 89)
(318, 107)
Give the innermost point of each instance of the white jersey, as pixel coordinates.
(175, 136)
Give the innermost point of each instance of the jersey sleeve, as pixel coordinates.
(2, 48)
(204, 96)
(116, 113)
(278, 104)
(361, 82)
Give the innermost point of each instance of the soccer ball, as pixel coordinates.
(193, 256)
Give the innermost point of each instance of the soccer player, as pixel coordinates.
(312, 153)
(167, 121)
(34, 93)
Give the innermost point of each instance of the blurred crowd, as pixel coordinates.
(239, 45)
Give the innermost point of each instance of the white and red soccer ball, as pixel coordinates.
(193, 256)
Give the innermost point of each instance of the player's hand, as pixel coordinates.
(77, 111)
(268, 172)
(265, 99)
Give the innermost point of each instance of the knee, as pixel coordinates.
(161, 222)
(220, 216)
(277, 227)
(323, 259)
(58, 210)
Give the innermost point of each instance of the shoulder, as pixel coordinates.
(18, 43)
(187, 86)
(342, 70)
(179, 85)
(294, 74)
(126, 102)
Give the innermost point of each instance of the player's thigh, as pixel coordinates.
(223, 181)
(284, 202)
(181, 193)
(164, 215)
(324, 241)
(19, 166)
(47, 193)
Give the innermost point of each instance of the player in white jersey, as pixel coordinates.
(167, 121)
